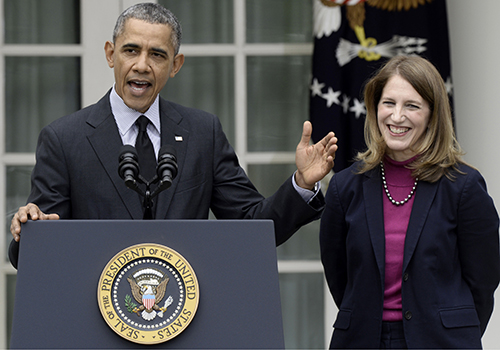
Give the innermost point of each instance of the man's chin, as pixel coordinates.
(139, 106)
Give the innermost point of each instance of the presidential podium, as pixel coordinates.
(187, 284)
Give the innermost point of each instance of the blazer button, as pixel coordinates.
(405, 276)
(408, 315)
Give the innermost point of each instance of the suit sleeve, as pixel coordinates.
(50, 187)
(478, 241)
(235, 197)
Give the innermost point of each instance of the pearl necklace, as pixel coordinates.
(386, 188)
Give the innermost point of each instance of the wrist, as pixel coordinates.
(299, 180)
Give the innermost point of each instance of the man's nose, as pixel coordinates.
(142, 63)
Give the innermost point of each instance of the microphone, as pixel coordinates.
(167, 166)
(128, 167)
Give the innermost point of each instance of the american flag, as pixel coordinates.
(353, 38)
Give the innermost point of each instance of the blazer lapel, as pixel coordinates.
(175, 135)
(107, 143)
(372, 190)
(424, 196)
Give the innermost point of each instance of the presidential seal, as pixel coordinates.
(148, 293)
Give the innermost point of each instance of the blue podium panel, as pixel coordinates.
(60, 267)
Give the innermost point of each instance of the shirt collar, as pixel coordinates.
(125, 116)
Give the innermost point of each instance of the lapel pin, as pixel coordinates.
(178, 138)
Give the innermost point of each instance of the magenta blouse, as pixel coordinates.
(396, 218)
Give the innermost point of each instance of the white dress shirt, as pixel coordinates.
(125, 118)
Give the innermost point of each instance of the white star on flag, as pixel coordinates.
(316, 88)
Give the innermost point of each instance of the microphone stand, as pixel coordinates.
(148, 195)
(148, 202)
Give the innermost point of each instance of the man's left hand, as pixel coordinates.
(314, 162)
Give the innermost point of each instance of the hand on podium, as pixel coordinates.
(29, 211)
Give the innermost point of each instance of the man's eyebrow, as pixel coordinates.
(130, 45)
(136, 46)
(158, 50)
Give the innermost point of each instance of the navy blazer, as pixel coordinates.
(451, 264)
(76, 173)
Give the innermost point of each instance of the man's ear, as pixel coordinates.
(178, 62)
(109, 50)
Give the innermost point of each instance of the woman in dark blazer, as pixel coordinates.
(409, 237)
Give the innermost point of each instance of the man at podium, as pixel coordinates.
(77, 176)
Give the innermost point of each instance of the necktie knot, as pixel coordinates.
(142, 123)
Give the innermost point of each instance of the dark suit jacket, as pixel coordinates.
(76, 173)
(451, 264)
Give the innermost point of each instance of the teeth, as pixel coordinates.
(138, 85)
(397, 130)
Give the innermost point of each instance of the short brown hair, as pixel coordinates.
(439, 152)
